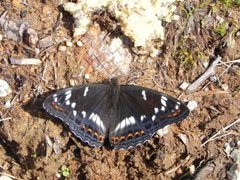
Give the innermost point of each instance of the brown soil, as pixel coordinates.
(34, 145)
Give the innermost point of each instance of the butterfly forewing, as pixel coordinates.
(126, 115)
(141, 112)
(81, 108)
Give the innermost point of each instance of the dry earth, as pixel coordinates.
(34, 145)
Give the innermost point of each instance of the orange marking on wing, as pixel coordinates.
(100, 138)
(130, 136)
(174, 113)
(137, 134)
(57, 107)
(114, 138)
(122, 138)
(89, 131)
(142, 132)
(83, 128)
(95, 135)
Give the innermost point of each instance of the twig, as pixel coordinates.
(5, 119)
(25, 61)
(230, 62)
(210, 71)
(220, 131)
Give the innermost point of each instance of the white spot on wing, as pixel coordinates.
(102, 126)
(68, 92)
(163, 102)
(164, 98)
(118, 127)
(132, 120)
(68, 96)
(91, 116)
(144, 95)
(178, 103)
(127, 122)
(73, 105)
(176, 106)
(156, 110)
(94, 118)
(55, 99)
(67, 102)
(143, 117)
(98, 121)
(55, 95)
(153, 117)
(74, 112)
(85, 91)
(123, 124)
(84, 114)
(163, 108)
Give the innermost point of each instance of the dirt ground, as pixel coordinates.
(35, 145)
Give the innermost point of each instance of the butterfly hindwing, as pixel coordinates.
(81, 108)
(126, 115)
(141, 112)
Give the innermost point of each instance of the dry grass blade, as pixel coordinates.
(25, 61)
(215, 136)
(5, 119)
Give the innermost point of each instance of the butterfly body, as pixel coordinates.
(126, 115)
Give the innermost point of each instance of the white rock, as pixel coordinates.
(62, 48)
(192, 105)
(79, 43)
(5, 89)
(225, 87)
(7, 104)
(86, 76)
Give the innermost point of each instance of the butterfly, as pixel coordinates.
(125, 115)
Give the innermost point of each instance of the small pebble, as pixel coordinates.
(69, 44)
(7, 104)
(225, 87)
(58, 175)
(72, 82)
(79, 43)
(192, 105)
(214, 78)
(62, 48)
(86, 76)
(191, 169)
(1, 37)
(4, 88)
(184, 86)
(45, 42)
(205, 64)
